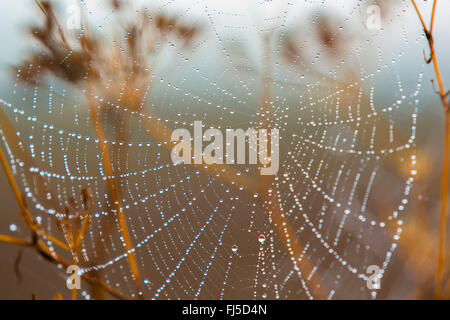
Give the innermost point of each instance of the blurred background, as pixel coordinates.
(361, 144)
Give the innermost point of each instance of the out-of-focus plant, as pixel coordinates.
(88, 64)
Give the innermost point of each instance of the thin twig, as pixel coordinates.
(432, 16)
(446, 159)
(420, 16)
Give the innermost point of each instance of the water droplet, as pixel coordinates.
(261, 239)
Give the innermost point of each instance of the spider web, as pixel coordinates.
(347, 120)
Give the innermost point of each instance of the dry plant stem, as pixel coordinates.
(39, 245)
(443, 217)
(24, 210)
(115, 193)
(12, 182)
(58, 296)
(54, 258)
(445, 170)
(112, 183)
(286, 233)
(74, 290)
(82, 232)
(15, 241)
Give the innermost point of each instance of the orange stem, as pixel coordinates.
(443, 216)
(115, 194)
(445, 169)
(13, 240)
